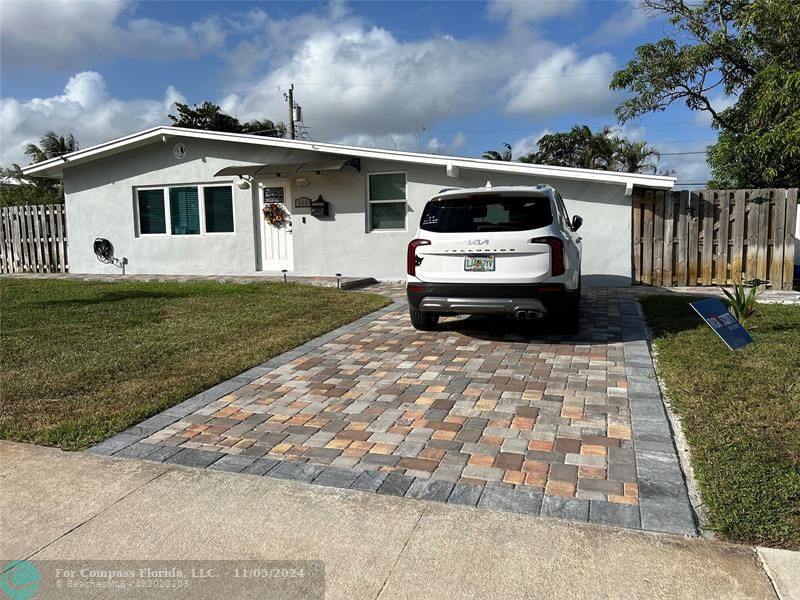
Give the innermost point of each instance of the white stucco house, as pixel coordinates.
(189, 202)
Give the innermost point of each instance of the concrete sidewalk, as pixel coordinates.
(79, 506)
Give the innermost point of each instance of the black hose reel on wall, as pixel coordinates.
(104, 251)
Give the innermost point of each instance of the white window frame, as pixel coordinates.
(138, 222)
(203, 208)
(370, 202)
(168, 214)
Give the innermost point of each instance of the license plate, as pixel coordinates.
(479, 263)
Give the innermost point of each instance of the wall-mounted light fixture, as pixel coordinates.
(301, 182)
(243, 184)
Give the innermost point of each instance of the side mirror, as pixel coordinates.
(577, 221)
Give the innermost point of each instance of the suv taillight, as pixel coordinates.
(556, 253)
(411, 265)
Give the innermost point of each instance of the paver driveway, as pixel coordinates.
(481, 412)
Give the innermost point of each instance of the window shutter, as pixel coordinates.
(218, 209)
(152, 218)
(184, 206)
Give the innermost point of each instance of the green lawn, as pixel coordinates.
(741, 416)
(84, 360)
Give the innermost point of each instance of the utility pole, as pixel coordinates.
(295, 112)
(291, 111)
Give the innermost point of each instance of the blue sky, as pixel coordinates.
(448, 77)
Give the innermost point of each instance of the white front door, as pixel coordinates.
(276, 238)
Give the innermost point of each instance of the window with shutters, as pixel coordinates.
(152, 215)
(185, 210)
(218, 208)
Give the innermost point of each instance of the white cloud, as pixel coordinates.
(689, 168)
(561, 83)
(719, 102)
(352, 78)
(634, 133)
(434, 146)
(84, 109)
(357, 83)
(528, 11)
(60, 34)
(458, 141)
(528, 144)
(630, 19)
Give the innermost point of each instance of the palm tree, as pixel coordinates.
(50, 146)
(495, 155)
(598, 149)
(634, 157)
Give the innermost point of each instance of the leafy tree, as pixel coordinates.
(36, 190)
(635, 157)
(28, 190)
(209, 116)
(50, 146)
(579, 147)
(745, 50)
(264, 127)
(495, 155)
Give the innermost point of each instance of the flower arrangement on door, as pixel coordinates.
(274, 214)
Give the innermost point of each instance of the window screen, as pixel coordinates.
(152, 218)
(184, 207)
(218, 209)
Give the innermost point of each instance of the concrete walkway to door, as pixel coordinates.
(76, 506)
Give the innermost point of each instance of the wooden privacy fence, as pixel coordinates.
(714, 237)
(33, 239)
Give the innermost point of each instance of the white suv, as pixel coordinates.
(505, 250)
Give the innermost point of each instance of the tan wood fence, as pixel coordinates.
(714, 237)
(33, 239)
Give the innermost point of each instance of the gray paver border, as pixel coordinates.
(666, 509)
(664, 503)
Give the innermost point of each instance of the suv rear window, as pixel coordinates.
(486, 213)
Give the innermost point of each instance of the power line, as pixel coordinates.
(681, 153)
(450, 82)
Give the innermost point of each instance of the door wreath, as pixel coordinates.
(274, 214)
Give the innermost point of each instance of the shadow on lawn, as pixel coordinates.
(669, 314)
(117, 296)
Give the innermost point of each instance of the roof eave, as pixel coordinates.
(54, 167)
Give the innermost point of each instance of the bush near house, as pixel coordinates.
(741, 415)
(84, 360)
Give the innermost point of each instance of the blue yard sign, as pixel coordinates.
(716, 315)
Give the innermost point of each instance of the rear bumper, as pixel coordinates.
(488, 299)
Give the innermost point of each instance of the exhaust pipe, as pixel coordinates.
(528, 315)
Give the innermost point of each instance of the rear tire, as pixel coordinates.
(424, 321)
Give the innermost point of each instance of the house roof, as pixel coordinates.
(55, 166)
